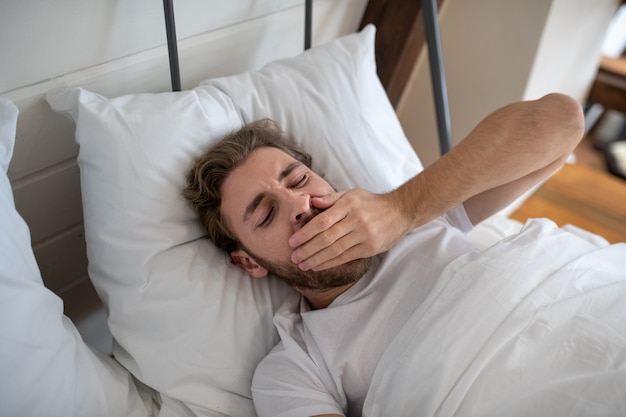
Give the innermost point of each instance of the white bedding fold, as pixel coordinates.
(533, 326)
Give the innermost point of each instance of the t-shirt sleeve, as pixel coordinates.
(288, 384)
(458, 218)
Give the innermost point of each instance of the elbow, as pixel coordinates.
(566, 119)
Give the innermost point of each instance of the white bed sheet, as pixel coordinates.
(533, 326)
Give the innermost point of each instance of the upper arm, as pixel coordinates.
(483, 205)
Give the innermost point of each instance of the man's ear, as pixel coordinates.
(246, 262)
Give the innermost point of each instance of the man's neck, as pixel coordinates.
(323, 298)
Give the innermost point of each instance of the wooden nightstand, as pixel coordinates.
(577, 195)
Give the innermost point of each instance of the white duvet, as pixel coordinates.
(533, 326)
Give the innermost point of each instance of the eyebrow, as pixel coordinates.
(254, 204)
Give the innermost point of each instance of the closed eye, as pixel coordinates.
(299, 183)
(268, 218)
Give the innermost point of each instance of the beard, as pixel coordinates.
(338, 276)
(289, 272)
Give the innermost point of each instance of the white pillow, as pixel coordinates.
(185, 321)
(46, 368)
(8, 123)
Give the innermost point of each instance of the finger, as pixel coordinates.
(325, 201)
(351, 254)
(330, 251)
(320, 242)
(318, 225)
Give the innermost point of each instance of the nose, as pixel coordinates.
(299, 207)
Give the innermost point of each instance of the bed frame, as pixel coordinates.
(383, 19)
(403, 28)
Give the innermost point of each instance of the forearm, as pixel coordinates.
(501, 158)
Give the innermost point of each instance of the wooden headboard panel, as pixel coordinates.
(400, 37)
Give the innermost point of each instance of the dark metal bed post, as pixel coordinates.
(170, 29)
(431, 25)
(308, 19)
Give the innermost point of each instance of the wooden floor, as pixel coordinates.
(581, 196)
(584, 194)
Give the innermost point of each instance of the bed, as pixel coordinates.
(189, 328)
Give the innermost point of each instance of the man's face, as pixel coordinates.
(264, 201)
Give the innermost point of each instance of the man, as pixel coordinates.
(258, 198)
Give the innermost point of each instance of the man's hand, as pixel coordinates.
(506, 154)
(355, 224)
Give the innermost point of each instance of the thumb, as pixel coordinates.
(325, 201)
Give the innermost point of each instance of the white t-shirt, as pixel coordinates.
(326, 358)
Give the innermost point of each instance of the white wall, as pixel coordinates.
(497, 52)
(114, 48)
(44, 39)
(119, 47)
(569, 51)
